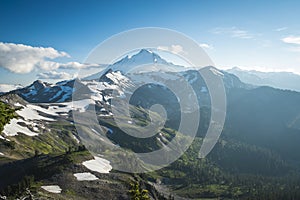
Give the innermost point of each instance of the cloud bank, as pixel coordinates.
(205, 46)
(291, 40)
(20, 58)
(281, 29)
(55, 75)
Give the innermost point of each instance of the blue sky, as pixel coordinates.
(262, 35)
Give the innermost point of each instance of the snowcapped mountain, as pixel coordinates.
(131, 63)
(50, 102)
(143, 57)
(119, 77)
(43, 92)
(113, 79)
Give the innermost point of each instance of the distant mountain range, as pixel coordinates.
(281, 80)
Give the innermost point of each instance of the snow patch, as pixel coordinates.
(32, 92)
(86, 176)
(52, 188)
(62, 109)
(30, 113)
(65, 91)
(13, 128)
(56, 95)
(216, 72)
(82, 105)
(68, 91)
(36, 129)
(98, 164)
(43, 110)
(18, 104)
(76, 139)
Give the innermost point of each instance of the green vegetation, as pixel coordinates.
(254, 159)
(213, 177)
(136, 193)
(14, 181)
(19, 188)
(7, 113)
(141, 145)
(56, 140)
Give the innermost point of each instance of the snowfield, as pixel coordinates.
(13, 128)
(52, 188)
(29, 112)
(85, 176)
(18, 104)
(80, 105)
(98, 164)
(43, 110)
(30, 115)
(216, 72)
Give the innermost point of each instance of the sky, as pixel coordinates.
(51, 39)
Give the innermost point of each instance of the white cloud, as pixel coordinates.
(291, 40)
(176, 49)
(77, 65)
(55, 75)
(206, 46)
(20, 58)
(163, 48)
(234, 32)
(281, 29)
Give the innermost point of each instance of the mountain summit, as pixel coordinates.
(141, 58)
(129, 63)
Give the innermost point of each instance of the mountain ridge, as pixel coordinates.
(281, 80)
